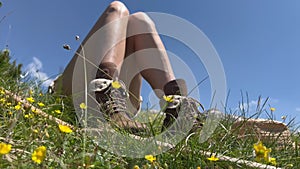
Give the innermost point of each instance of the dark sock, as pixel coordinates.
(176, 87)
(107, 70)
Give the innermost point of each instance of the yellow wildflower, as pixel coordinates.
(4, 148)
(198, 167)
(18, 107)
(2, 91)
(30, 99)
(65, 129)
(39, 154)
(272, 161)
(34, 110)
(2, 100)
(136, 167)
(41, 104)
(169, 99)
(116, 84)
(261, 152)
(213, 158)
(150, 158)
(57, 111)
(82, 106)
(29, 115)
(272, 109)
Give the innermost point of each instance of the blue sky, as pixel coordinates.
(257, 41)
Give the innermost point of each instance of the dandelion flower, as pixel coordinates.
(272, 109)
(116, 84)
(136, 167)
(150, 158)
(30, 99)
(169, 99)
(213, 158)
(198, 167)
(39, 154)
(65, 129)
(82, 106)
(4, 148)
(41, 104)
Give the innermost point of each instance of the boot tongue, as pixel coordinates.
(176, 87)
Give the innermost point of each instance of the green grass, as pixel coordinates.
(26, 130)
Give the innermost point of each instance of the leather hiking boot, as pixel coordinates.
(112, 98)
(175, 100)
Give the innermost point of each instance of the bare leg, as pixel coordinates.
(109, 40)
(145, 57)
(130, 74)
(138, 22)
(149, 53)
(159, 72)
(107, 53)
(117, 31)
(149, 57)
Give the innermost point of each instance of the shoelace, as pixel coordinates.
(117, 101)
(190, 105)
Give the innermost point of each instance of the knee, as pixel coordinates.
(142, 19)
(118, 7)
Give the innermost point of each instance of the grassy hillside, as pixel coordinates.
(39, 130)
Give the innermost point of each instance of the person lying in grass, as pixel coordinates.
(120, 50)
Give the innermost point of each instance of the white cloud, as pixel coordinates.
(34, 70)
(252, 105)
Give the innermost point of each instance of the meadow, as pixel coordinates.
(41, 130)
